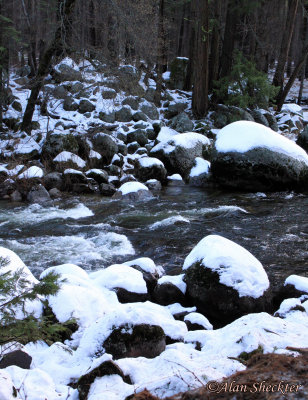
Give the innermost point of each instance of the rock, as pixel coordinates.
(66, 159)
(69, 104)
(250, 156)
(153, 184)
(17, 106)
(224, 280)
(16, 196)
(76, 87)
(63, 72)
(118, 160)
(54, 180)
(85, 106)
(150, 110)
(199, 175)
(133, 147)
(196, 321)
(272, 121)
(18, 358)
(107, 189)
(150, 168)
(168, 293)
(39, 195)
(105, 369)
(259, 117)
(106, 146)
(124, 114)
(109, 94)
(302, 139)
(137, 136)
(107, 117)
(132, 102)
(129, 71)
(57, 142)
(72, 176)
(136, 341)
(178, 74)
(149, 94)
(54, 193)
(178, 154)
(134, 191)
(139, 116)
(295, 286)
(99, 175)
(175, 109)
(25, 70)
(59, 92)
(181, 123)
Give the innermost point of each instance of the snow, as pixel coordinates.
(292, 108)
(67, 156)
(186, 140)
(197, 318)
(147, 162)
(201, 167)
(94, 154)
(72, 171)
(6, 386)
(110, 387)
(166, 76)
(147, 265)
(175, 177)
(26, 145)
(299, 282)
(32, 172)
(120, 276)
(166, 134)
(176, 280)
(286, 306)
(236, 267)
(131, 187)
(242, 136)
(177, 308)
(169, 221)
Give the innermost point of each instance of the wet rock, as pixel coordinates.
(85, 106)
(16, 196)
(39, 195)
(53, 180)
(150, 168)
(136, 341)
(153, 184)
(107, 189)
(106, 146)
(18, 358)
(182, 123)
(133, 191)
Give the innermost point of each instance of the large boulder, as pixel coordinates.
(66, 159)
(106, 146)
(64, 72)
(302, 139)
(150, 110)
(182, 123)
(200, 173)
(150, 168)
(57, 142)
(178, 154)
(134, 191)
(85, 106)
(251, 156)
(18, 357)
(224, 280)
(39, 195)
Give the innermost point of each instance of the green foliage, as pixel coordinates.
(245, 86)
(15, 291)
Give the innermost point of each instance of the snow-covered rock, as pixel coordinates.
(178, 154)
(200, 173)
(170, 289)
(196, 321)
(150, 168)
(66, 157)
(133, 191)
(251, 156)
(31, 173)
(224, 280)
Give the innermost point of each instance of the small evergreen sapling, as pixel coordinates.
(15, 291)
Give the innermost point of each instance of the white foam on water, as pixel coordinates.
(220, 209)
(169, 221)
(79, 250)
(36, 213)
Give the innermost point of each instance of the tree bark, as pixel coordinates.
(285, 45)
(45, 63)
(215, 45)
(201, 61)
(161, 59)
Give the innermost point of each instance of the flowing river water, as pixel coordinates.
(95, 232)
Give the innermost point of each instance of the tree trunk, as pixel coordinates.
(201, 61)
(45, 63)
(215, 44)
(161, 47)
(285, 45)
(192, 46)
(298, 67)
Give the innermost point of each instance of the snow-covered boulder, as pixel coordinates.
(170, 289)
(134, 191)
(58, 142)
(126, 281)
(200, 173)
(67, 159)
(20, 147)
(150, 168)
(106, 146)
(66, 71)
(196, 321)
(179, 153)
(32, 173)
(294, 286)
(99, 175)
(224, 280)
(302, 139)
(251, 156)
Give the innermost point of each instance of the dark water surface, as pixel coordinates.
(272, 226)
